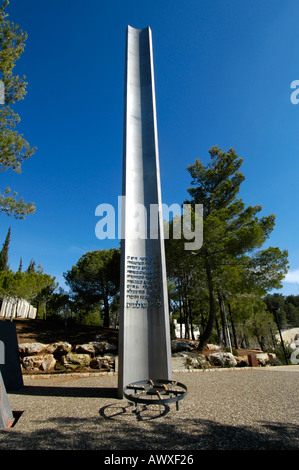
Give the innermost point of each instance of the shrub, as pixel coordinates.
(280, 353)
(234, 351)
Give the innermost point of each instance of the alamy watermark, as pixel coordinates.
(295, 94)
(146, 222)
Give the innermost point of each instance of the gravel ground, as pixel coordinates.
(244, 409)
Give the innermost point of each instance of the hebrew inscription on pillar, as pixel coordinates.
(143, 285)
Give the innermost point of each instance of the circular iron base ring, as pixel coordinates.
(155, 392)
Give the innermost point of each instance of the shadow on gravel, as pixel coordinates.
(146, 413)
(76, 392)
(121, 431)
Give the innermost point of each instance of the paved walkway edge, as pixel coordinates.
(101, 374)
(175, 371)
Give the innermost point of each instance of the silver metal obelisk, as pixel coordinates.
(144, 336)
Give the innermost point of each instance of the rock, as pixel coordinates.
(73, 360)
(180, 354)
(59, 349)
(191, 362)
(196, 362)
(30, 349)
(109, 347)
(262, 358)
(222, 359)
(102, 363)
(44, 362)
(48, 363)
(213, 347)
(242, 361)
(273, 360)
(178, 346)
(94, 348)
(32, 362)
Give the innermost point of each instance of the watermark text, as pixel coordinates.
(147, 223)
(295, 94)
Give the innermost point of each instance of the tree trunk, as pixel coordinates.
(217, 327)
(202, 326)
(212, 315)
(223, 323)
(186, 315)
(106, 322)
(181, 320)
(233, 326)
(191, 319)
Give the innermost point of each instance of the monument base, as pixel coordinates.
(155, 392)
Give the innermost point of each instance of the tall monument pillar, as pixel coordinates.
(144, 336)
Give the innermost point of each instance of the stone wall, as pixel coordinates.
(217, 358)
(62, 356)
(102, 356)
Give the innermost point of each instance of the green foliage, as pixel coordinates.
(280, 353)
(234, 351)
(258, 323)
(231, 260)
(32, 287)
(95, 278)
(59, 305)
(286, 308)
(230, 229)
(14, 149)
(92, 318)
(31, 267)
(4, 253)
(217, 183)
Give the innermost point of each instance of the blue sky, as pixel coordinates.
(223, 72)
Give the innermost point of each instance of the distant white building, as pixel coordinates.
(17, 308)
(289, 337)
(180, 330)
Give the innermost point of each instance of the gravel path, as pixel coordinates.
(226, 409)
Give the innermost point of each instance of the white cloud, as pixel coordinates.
(292, 276)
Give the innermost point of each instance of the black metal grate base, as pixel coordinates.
(155, 392)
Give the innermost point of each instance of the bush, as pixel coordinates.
(280, 353)
(234, 351)
(214, 339)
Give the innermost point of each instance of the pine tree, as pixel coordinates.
(233, 233)
(31, 267)
(14, 149)
(94, 279)
(4, 253)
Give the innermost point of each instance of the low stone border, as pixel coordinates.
(101, 374)
(214, 369)
(67, 374)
